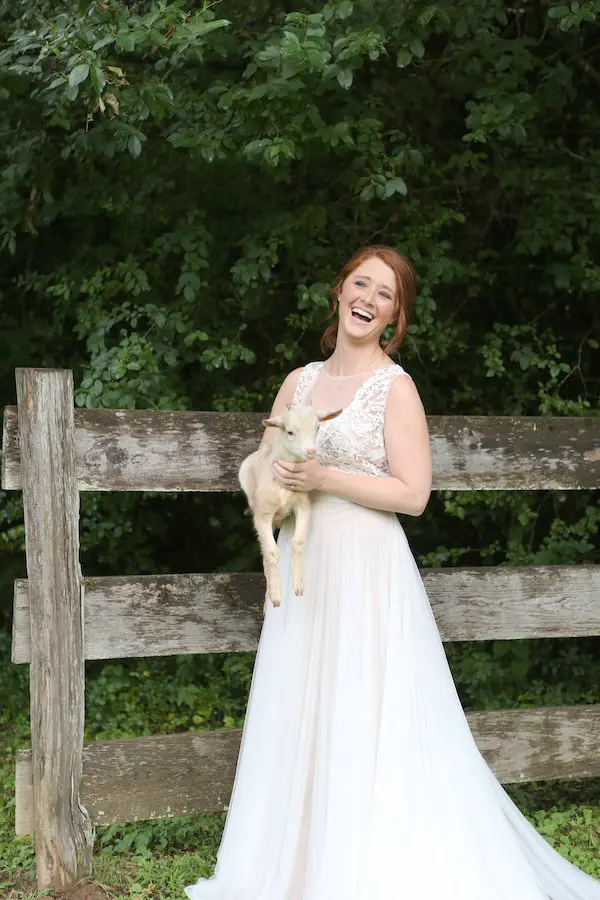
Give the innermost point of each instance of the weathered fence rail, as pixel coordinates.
(148, 615)
(148, 450)
(52, 452)
(185, 774)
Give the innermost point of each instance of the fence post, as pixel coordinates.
(63, 833)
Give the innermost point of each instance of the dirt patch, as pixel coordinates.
(83, 892)
(26, 887)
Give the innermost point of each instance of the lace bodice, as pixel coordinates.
(354, 441)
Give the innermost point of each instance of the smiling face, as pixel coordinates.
(368, 301)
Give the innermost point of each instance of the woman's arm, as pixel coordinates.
(408, 449)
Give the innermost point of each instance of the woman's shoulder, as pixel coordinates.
(402, 391)
(291, 381)
(390, 374)
(311, 366)
(302, 373)
(389, 387)
(394, 367)
(299, 381)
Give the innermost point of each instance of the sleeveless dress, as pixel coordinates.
(358, 777)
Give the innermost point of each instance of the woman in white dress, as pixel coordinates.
(358, 777)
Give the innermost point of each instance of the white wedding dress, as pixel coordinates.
(358, 777)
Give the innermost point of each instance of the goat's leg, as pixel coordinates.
(302, 519)
(270, 556)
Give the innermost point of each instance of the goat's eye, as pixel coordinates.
(290, 434)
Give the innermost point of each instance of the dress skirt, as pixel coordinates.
(358, 777)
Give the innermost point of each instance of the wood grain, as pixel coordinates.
(149, 450)
(222, 613)
(63, 835)
(186, 774)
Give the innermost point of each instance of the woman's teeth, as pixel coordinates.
(361, 314)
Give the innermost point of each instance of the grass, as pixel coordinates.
(574, 832)
(153, 859)
(129, 876)
(127, 861)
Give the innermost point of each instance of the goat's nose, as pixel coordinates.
(311, 453)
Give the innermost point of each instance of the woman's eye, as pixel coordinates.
(360, 283)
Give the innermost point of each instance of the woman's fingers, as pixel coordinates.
(284, 474)
(287, 468)
(288, 474)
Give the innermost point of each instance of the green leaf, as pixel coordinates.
(134, 145)
(104, 42)
(79, 74)
(417, 48)
(202, 27)
(557, 12)
(345, 9)
(427, 15)
(56, 82)
(345, 77)
(395, 186)
(125, 41)
(404, 58)
(98, 78)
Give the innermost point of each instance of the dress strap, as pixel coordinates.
(372, 396)
(306, 379)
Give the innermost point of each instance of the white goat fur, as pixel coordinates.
(294, 442)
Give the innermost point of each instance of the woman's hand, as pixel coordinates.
(300, 476)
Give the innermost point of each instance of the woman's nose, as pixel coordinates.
(370, 295)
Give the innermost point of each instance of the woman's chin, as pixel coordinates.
(360, 335)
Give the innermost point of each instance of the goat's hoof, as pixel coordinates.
(299, 586)
(273, 600)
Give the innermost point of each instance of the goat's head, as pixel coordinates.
(298, 428)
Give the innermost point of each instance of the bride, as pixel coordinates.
(358, 777)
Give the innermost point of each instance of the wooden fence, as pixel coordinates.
(52, 452)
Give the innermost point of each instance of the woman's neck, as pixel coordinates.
(348, 361)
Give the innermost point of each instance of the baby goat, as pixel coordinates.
(268, 500)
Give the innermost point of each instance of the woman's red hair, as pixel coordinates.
(406, 288)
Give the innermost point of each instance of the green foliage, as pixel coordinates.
(525, 673)
(16, 854)
(559, 828)
(167, 695)
(171, 835)
(137, 120)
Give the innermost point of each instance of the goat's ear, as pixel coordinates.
(273, 422)
(325, 416)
